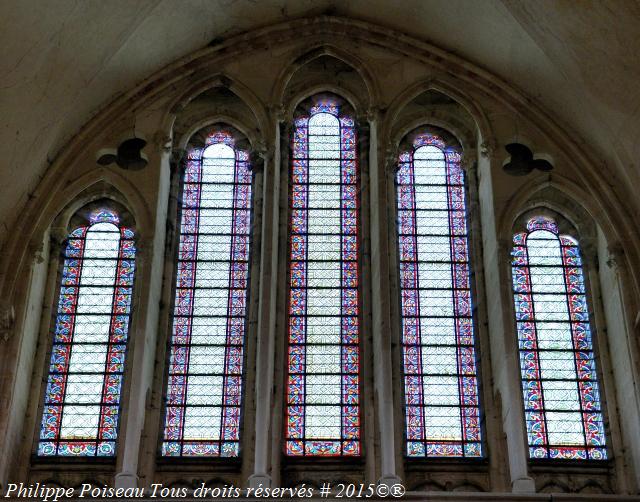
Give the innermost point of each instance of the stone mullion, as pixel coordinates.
(267, 297)
(381, 313)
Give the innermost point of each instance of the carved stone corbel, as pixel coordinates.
(163, 141)
(373, 114)
(260, 155)
(615, 254)
(278, 112)
(487, 149)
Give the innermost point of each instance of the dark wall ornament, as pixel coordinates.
(129, 155)
(521, 161)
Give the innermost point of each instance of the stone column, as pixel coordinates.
(149, 270)
(381, 311)
(268, 282)
(615, 336)
(504, 349)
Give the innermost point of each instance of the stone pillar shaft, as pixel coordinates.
(380, 308)
(265, 351)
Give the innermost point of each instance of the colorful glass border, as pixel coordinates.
(229, 443)
(593, 447)
(417, 443)
(348, 444)
(104, 445)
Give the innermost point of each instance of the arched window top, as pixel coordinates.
(440, 376)
(102, 220)
(82, 398)
(544, 228)
(218, 144)
(542, 223)
(205, 383)
(428, 145)
(219, 151)
(327, 111)
(323, 366)
(563, 411)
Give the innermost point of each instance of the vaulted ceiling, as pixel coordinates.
(62, 61)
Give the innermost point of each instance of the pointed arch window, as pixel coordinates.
(206, 356)
(560, 387)
(323, 382)
(442, 413)
(84, 381)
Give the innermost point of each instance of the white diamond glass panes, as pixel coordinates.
(439, 362)
(84, 382)
(323, 412)
(205, 377)
(559, 381)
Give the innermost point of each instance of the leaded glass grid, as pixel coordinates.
(206, 355)
(442, 413)
(323, 382)
(560, 387)
(84, 381)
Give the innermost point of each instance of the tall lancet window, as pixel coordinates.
(439, 358)
(560, 388)
(323, 384)
(206, 356)
(84, 382)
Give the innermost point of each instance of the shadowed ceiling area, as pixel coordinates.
(65, 60)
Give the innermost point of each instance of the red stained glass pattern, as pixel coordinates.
(442, 411)
(559, 382)
(323, 382)
(84, 381)
(206, 359)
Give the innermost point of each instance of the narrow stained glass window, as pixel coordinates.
(84, 382)
(439, 361)
(206, 360)
(323, 393)
(559, 381)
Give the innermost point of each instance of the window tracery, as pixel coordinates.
(440, 374)
(563, 411)
(206, 362)
(323, 382)
(84, 383)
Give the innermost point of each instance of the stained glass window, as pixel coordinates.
(84, 382)
(559, 382)
(323, 385)
(206, 355)
(439, 359)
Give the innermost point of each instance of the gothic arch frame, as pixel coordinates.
(445, 86)
(174, 469)
(559, 199)
(302, 469)
(473, 472)
(207, 83)
(91, 189)
(302, 57)
(159, 89)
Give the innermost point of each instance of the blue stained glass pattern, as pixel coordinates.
(559, 383)
(442, 410)
(323, 370)
(206, 356)
(84, 381)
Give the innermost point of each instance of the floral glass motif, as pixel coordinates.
(84, 381)
(323, 384)
(559, 382)
(439, 360)
(206, 355)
